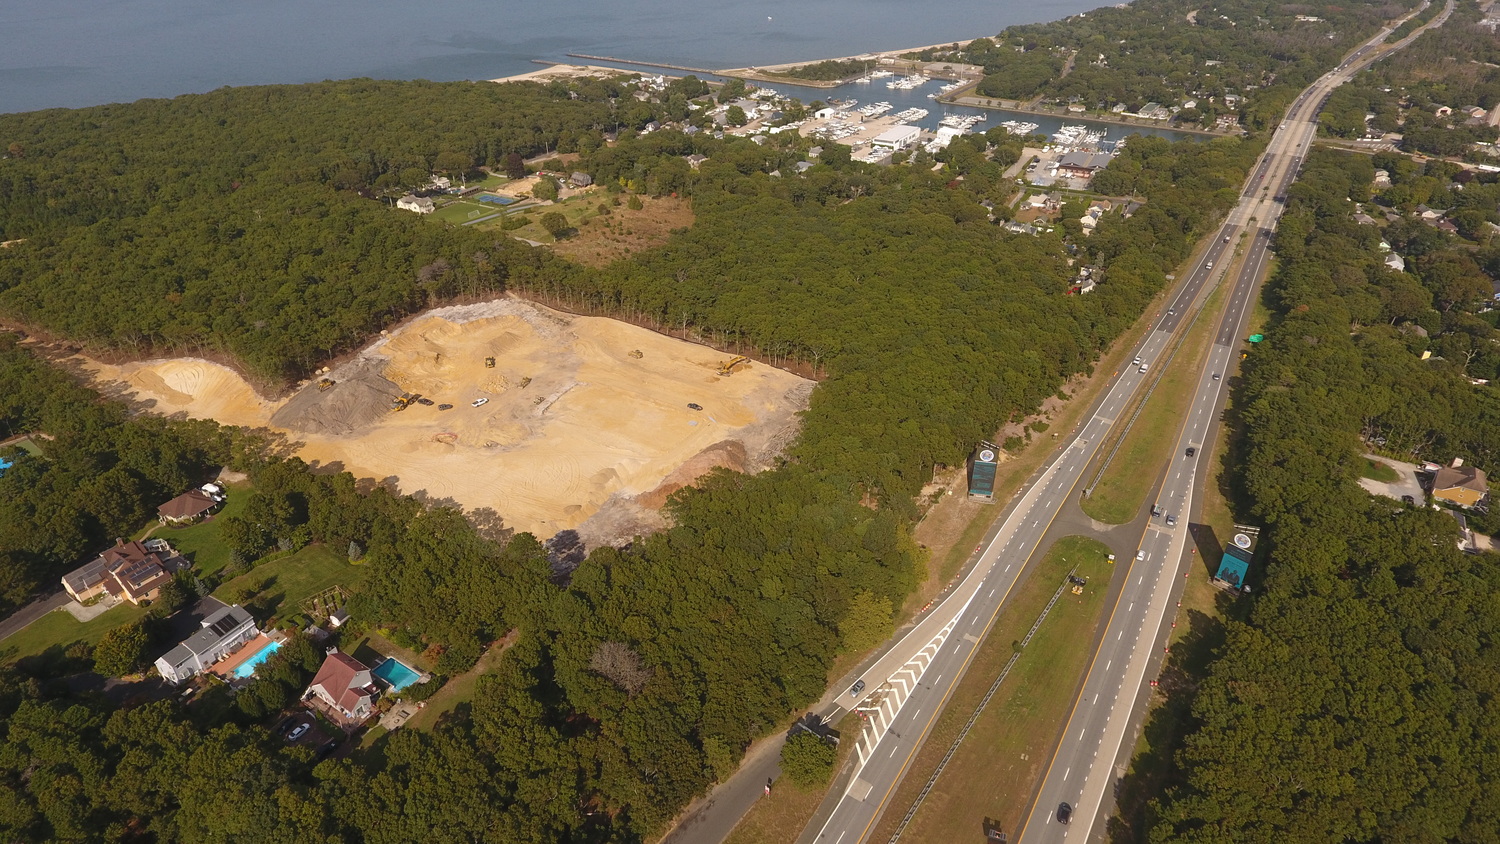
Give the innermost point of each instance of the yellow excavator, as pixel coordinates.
(727, 367)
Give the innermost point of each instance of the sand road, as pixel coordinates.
(573, 422)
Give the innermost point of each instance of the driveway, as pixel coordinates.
(1407, 484)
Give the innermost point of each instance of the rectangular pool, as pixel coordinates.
(395, 674)
(247, 668)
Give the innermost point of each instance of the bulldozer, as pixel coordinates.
(637, 354)
(727, 367)
(324, 383)
(489, 363)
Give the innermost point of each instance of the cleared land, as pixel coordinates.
(574, 433)
(992, 774)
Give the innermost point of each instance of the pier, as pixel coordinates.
(641, 64)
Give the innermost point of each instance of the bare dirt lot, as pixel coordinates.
(575, 433)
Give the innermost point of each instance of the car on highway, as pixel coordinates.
(1140, 555)
(1226, 238)
(1216, 376)
(1171, 521)
(1064, 813)
(859, 686)
(299, 732)
(1210, 264)
(479, 402)
(1155, 510)
(1143, 367)
(1191, 451)
(1136, 362)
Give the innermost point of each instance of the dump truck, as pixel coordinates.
(401, 402)
(325, 383)
(727, 367)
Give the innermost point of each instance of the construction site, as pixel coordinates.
(553, 421)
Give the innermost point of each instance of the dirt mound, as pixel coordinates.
(729, 454)
(359, 397)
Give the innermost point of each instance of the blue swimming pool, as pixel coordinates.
(247, 668)
(395, 674)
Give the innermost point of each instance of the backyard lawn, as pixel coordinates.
(201, 543)
(1378, 471)
(278, 587)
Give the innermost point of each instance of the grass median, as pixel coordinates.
(1149, 442)
(992, 774)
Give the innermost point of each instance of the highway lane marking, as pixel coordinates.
(1096, 697)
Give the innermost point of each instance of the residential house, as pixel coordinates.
(696, 161)
(191, 505)
(1382, 178)
(134, 572)
(1459, 484)
(416, 204)
(222, 633)
(345, 686)
(803, 166)
(441, 183)
(580, 180)
(1364, 219)
(1396, 262)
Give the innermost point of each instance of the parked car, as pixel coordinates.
(1409, 500)
(445, 407)
(694, 406)
(425, 402)
(479, 402)
(299, 732)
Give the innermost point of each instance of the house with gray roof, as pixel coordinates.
(222, 633)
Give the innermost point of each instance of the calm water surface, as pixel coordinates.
(85, 52)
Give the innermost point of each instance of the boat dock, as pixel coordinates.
(641, 64)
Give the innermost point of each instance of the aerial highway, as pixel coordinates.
(1093, 748)
(905, 689)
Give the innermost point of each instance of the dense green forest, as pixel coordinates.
(1168, 51)
(1359, 701)
(639, 679)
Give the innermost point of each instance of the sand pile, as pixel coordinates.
(572, 423)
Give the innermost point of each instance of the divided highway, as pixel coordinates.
(1093, 750)
(927, 663)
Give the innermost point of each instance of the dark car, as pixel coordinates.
(425, 402)
(1408, 499)
(327, 748)
(1171, 521)
(445, 407)
(1191, 451)
(1064, 812)
(694, 406)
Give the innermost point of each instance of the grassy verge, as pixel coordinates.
(1375, 470)
(276, 588)
(459, 690)
(780, 817)
(992, 773)
(60, 629)
(1148, 446)
(1196, 638)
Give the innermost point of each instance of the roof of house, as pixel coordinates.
(1079, 159)
(345, 680)
(1466, 477)
(215, 628)
(194, 502)
(87, 576)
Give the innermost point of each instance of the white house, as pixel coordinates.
(417, 204)
(221, 634)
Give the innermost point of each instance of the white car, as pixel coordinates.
(479, 402)
(299, 732)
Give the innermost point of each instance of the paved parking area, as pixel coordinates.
(1407, 484)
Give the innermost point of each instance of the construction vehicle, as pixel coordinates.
(324, 383)
(727, 367)
(489, 363)
(401, 402)
(525, 381)
(637, 354)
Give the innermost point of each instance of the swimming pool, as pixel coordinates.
(247, 668)
(395, 674)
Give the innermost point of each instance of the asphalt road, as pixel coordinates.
(1092, 751)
